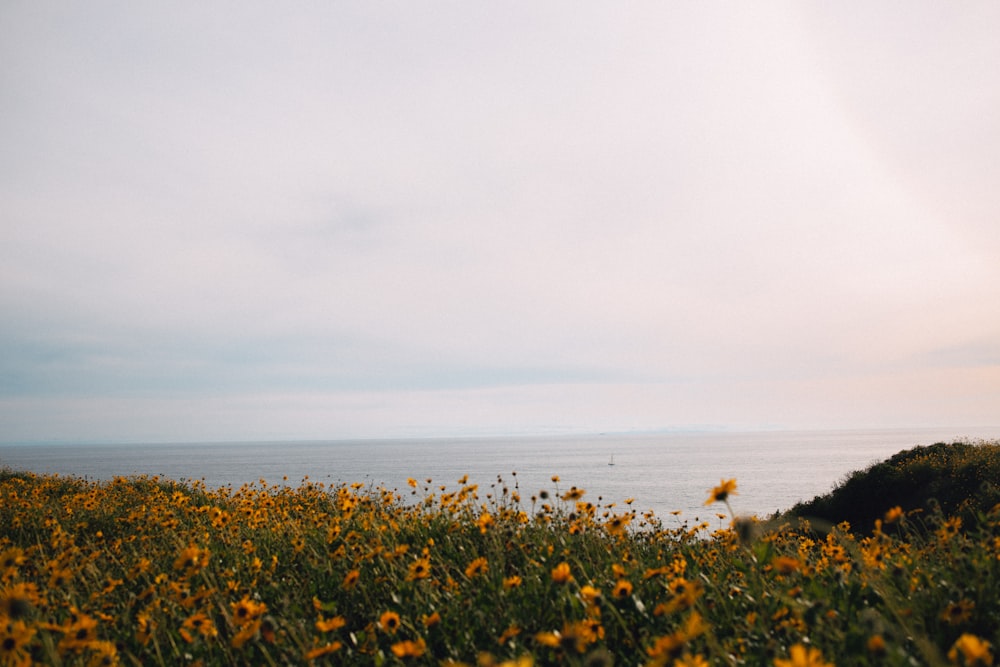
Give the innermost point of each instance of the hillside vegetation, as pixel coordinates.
(959, 479)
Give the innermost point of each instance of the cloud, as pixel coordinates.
(584, 207)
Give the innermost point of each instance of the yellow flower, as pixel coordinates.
(330, 624)
(669, 645)
(432, 620)
(508, 634)
(247, 632)
(16, 600)
(688, 660)
(79, 633)
(60, 577)
(419, 569)
(409, 649)
(476, 567)
(103, 653)
(484, 522)
(957, 613)
(191, 560)
(246, 611)
(578, 635)
(201, 624)
(950, 528)
(785, 564)
(145, 627)
(623, 589)
(351, 579)
(617, 524)
(11, 558)
(573, 494)
(894, 514)
(326, 649)
(722, 492)
(15, 640)
(590, 594)
(876, 645)
(666, 646)
(511, 582)
(389, 621)
(972, 650)
(561, 573)
(801, 656)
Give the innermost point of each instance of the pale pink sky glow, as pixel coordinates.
(243, 221)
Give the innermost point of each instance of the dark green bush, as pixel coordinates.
(960, 478)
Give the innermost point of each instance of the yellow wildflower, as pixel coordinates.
(326, 649)
(191, 560)
(550, 639)
(876, 645)
(16, 600)
(622, 589)
(79, 633)
(802, 656)
(722, 492)
(409, 649)
(617, 524)
(15, 640)
(246, 611)
(351, 579)
(894, 514)
(590, 594)
(330, 624)
(785, 564)
(419, 569)
(200, 623)
(389, 621)
(508, 634)
(957, 613)
(561, 573)
(476, 567)
(970, 650)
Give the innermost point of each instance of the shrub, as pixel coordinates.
(959, 478)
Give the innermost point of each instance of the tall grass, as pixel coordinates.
(146, 571)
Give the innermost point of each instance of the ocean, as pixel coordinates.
(664, 473)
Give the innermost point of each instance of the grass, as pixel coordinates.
(147, 571)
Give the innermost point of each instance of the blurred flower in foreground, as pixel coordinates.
(722, 492)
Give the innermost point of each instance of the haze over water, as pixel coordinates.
(661, 472)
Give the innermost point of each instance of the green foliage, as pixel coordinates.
(951, 479)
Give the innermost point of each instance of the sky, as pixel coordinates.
(252, 221)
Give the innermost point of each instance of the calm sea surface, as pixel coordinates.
(774, 469)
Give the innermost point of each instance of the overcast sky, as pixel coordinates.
(362, 219)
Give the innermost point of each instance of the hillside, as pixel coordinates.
(958, 479)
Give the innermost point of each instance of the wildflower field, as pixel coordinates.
(148, 571)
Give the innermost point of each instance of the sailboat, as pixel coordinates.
(612, 461)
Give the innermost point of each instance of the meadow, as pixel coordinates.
(150, 571)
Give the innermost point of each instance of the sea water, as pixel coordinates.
(664, 473)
